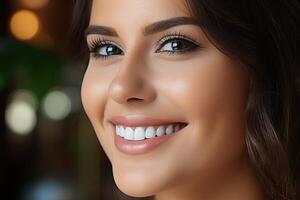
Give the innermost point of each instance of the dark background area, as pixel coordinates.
(48, 149)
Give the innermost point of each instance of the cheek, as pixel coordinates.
(212, 93)
(206, 87)
(94, 97)
(91, 97)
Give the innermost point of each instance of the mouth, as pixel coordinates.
(147, 132)
(136, 134)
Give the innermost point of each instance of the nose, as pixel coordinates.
(132, 83)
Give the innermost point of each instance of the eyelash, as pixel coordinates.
(192, 45)
(98, 43)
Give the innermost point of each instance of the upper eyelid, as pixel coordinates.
(168, 37)
(102, 40)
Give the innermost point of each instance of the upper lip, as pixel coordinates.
(139, 120)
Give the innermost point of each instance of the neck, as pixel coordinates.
(236, 185)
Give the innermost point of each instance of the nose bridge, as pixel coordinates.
(131, 81)
(133, 62)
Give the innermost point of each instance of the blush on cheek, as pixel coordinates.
(93, 97)
(87, 95)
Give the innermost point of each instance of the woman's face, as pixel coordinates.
(171, 73)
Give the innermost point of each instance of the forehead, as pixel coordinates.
(135, 12)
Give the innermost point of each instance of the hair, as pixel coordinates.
(263, 35)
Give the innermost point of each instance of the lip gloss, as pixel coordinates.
(135, 147)
(139, 120)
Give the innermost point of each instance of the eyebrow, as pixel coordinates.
(149, 29)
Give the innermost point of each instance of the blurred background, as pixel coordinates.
(48, 150)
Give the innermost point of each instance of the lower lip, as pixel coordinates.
(136, 147)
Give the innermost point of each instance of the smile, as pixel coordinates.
(136, 134)
(143, 133)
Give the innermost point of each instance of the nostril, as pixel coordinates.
(134, 99)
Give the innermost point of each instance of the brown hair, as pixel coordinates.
(264, 36)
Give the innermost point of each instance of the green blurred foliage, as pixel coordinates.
(27, 67)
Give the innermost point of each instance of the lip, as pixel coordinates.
(139, 120)
(139, 147)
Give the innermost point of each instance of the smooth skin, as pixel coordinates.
(203, 87)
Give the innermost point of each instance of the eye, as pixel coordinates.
(177, 43)
(103, 49)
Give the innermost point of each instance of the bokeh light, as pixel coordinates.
(35, 4)
(49, 189)
(43, 135)
(26, 96)
(24, 24)
(20, 117)
(57, 105)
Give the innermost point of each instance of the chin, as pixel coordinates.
(136, 184)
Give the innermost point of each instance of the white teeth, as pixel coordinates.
(169, 129)
(117, 130)
(122, 131)
(150, 132)
(160, 131)
(128, 133)
(139, 133)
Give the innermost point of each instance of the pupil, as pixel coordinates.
(176, 45)
(109, 50)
